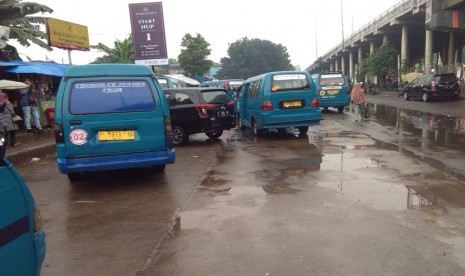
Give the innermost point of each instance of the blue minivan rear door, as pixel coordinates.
(107, 116)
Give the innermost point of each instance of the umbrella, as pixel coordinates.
(8, 84)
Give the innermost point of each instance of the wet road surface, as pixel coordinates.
(380, 197)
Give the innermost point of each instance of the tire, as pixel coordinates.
(239, 122)
(179, 136)
(340, 109)
(425, 97)
(73, 177)
(159, 168)
(303, 130)
(214, 134)
(255, 129)
(406, 97)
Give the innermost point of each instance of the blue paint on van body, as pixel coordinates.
(22, 240)
(111, 116)
(278, 100)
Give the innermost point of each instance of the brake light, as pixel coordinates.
(315, 103)
(433, 86)
(203, 109)
(168, 132)
(59, 136)
(267, 106)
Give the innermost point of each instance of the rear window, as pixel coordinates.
(163, 83)
(111, 97)
(332, 79)
(215, 97)
(289, 82)
(234, 85)
(445, 78)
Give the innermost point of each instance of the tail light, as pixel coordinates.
(203, 109)
(267, 106)
(315, 103)
(59, 136)
(433, 86)
(168, 132)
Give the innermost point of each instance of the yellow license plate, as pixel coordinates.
(119, 135)
(292, 104)
(333, 91)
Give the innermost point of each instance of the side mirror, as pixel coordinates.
(2, 140)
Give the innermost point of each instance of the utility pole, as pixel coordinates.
(342, 26)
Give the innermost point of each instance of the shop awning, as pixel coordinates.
(38, 67)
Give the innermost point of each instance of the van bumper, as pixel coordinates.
(39, 248)
(334, 102)
(116, 161)
(282, 121)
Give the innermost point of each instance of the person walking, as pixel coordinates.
(30, 105)
(6, 118)
(358, 100)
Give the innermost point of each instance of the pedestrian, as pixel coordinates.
(6, 118)
(358, 100)
(30, 105)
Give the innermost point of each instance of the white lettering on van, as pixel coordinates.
(112, 90)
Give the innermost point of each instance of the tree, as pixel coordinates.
(380, 63)
(122, 52)
(193, 57)
(250, 57)
(23, 27)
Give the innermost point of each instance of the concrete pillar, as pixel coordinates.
(428, 51)
(336, 62)
(385, 39)
(331, 68)
(360, 56)
(451, 51)
(372, 48)
(351, 65)
(343, 65)
(404, 47)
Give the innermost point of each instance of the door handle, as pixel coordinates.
(75, 122)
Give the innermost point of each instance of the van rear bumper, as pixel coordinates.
(116, 161)
(273, 120)
(334, 102)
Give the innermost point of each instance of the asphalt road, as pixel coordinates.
(351, 198)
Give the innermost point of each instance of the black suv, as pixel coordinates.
(432, 86)
(199, 110)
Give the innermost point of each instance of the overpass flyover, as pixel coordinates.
(425, 34)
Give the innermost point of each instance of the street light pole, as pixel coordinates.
(342, 25)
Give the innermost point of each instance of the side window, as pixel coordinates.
(254, 89)
(181, 98)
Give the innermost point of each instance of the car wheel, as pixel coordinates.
(425, 97)
(179, 136)
(340, 109)
(256, 130)
(73, 177)
(303, 130)
(214, 134)
(239, 122)
(159, 168)
(406, 96)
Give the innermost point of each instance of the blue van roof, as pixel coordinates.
(99, 70)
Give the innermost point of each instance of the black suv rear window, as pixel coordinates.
(445, 78)
(215, 97)
(110, 97)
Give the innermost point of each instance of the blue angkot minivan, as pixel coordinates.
(109, 117)
(22, 239)
(333, 90)
(278, 100)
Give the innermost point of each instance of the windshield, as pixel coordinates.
(289, 82)
(332, 79)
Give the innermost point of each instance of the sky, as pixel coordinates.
(307, 28)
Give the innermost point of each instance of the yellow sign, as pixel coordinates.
(116, 135)
(292, 104)
(67, 35)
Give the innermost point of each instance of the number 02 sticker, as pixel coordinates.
(78, 137)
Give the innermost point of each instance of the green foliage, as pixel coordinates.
(122, 52)
(24, 28)
(251, 57)
(380, 63)
(194, 53)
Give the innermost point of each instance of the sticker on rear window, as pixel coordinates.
(78, 137)
(289, 77)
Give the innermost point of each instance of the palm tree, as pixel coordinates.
(24, 28)
(122, 52)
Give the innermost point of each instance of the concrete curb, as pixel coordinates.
(26, 155)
